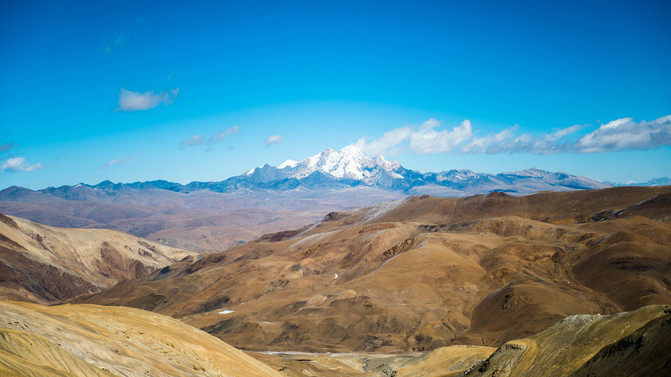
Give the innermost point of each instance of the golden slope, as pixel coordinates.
(41, 263)
(441, 362)
(90, 340)
(31, 355)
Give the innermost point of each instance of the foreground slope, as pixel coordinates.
(425, 272)
(42, 264)
(89, 340)
(624, 344)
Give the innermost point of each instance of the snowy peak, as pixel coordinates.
(346, 169)
(288, 163)
(348, 163)
(350, 167)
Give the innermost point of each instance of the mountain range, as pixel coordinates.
(333, 170)
(205, 216)
(545, 277)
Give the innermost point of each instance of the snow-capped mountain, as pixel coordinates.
(333, 171)
(349, 164)
(662, 181)
(351, 167)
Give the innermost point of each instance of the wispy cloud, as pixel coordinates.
(273, 139)
(617, 135)
(218, 137)
(119, 41)
(18, 164)
(6, 147)
(507, 141)
(118, 161)
(138, 101)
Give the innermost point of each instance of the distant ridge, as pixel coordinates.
(663, 181)
(336, 170)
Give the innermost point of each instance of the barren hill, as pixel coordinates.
(90, 340)
(425, 272)
(43, 264)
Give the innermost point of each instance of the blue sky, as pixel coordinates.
(195, 90)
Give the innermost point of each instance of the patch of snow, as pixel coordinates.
(349, 162)
(227, 311)
(314, 238)
(382, 208)
(335, 276)
(288, 163)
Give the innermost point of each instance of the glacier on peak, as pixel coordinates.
(351, 167)
(347, 163)
(288, 163)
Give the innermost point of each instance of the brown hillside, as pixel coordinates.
(425, 272)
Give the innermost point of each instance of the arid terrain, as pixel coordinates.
(91, 340)
(624, 344)
(424, 273)
(491, 285)
(213, 216)
(335, 189)
(45, 264)
(200, 221)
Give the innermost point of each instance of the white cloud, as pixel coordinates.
(625, 133)
(218, 137)
(506, 142)
(137, 101)
(117, 161)
(418, 139)
(273, 139)
(620, 134)
(430, 141)
(17, 164)
(617, 135)
(390, 139)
